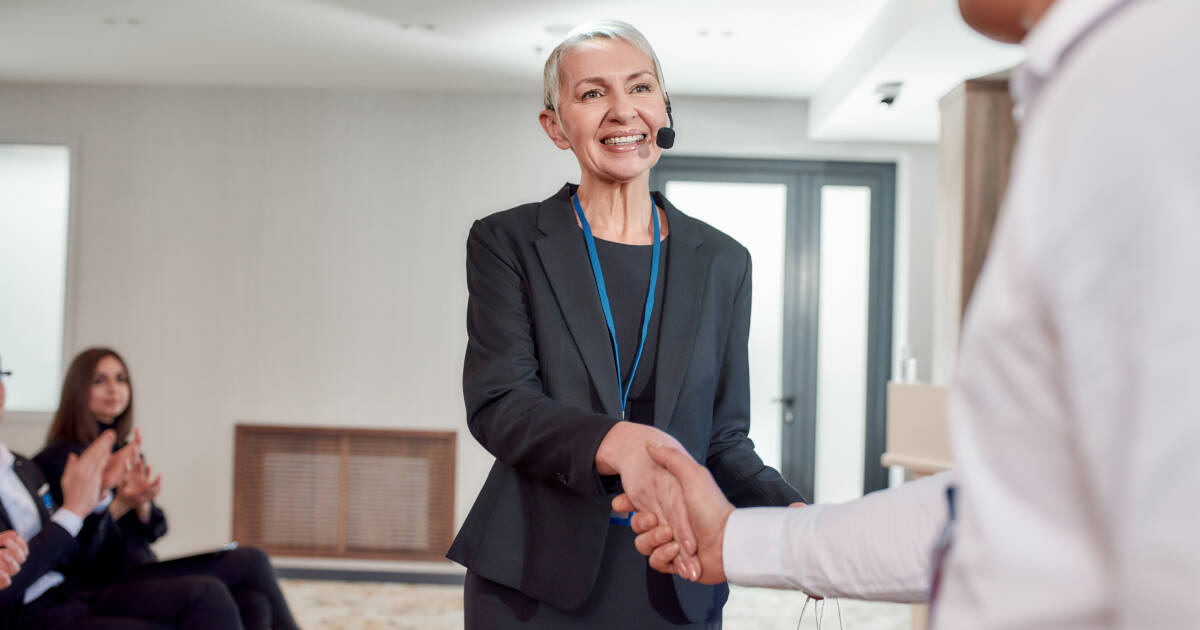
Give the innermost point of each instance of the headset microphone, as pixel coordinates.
(666, 135)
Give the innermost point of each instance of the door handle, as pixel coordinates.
(789, 407)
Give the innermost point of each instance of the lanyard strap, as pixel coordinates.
(622, 386)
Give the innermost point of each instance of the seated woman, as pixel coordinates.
(97, 395)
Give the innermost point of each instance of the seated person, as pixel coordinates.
(44, 592)
(97, 396)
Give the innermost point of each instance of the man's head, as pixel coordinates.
(1005, 20)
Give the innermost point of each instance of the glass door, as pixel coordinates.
(820, 236)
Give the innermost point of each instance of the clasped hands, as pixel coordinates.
(688, 539)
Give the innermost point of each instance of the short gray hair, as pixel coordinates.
(607, 29)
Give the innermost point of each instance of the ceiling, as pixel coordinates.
(832, 52)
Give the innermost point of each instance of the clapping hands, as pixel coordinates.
(138, 487)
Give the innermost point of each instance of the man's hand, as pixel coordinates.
(708, 510)
(13, 552)
(81, 482)
(648, 485)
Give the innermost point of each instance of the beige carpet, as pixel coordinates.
(323, 605)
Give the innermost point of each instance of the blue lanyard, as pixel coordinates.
(622, 386)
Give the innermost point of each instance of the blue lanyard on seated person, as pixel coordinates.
(622, 386)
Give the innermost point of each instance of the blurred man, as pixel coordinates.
(13, 549)
(1075, 413)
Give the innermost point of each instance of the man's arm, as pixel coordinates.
(48, 549)
(878, 547)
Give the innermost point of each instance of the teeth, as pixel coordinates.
(624, 139)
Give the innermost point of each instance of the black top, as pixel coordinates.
(627, 277)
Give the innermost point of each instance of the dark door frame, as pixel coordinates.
(802, 273)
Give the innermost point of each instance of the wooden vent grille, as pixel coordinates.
(344, 493)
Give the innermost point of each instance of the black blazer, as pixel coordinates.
(53, 548)
(541, 390)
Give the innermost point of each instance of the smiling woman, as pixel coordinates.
(600, 321)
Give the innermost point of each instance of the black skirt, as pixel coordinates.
(627, 594)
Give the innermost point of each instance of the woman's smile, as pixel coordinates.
(624, 141)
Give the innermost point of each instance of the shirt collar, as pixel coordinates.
(1065, 23)
(6, 458)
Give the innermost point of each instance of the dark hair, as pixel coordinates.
(74, 422)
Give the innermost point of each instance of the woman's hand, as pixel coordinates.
(649, 486)
(136, 492)
(708, 508)
(122, 462)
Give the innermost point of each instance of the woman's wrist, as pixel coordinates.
(613, 447)
(118, 507)
(143, 512)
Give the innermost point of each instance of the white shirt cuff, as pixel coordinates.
(68, 520)
(755, 551)
(104, 503)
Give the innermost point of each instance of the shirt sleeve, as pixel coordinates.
(68, 520)
(104, 503)
(878, 547)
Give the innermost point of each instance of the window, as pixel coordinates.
(35, 180)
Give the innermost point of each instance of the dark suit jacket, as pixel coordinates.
(53, 548)
(541, 390)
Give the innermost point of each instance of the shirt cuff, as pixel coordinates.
(68, 520)
(756, 547)
(104, 503)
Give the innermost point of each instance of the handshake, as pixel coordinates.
(680, 512)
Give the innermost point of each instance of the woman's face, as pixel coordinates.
(109, 394)
(610, 106)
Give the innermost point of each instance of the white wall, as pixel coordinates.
(289, 256)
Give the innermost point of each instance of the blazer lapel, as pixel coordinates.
(35, 482)
(687, 276)
(5, 522)
(564, 258)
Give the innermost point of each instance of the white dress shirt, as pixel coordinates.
(23, 515)
(1075, 412)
